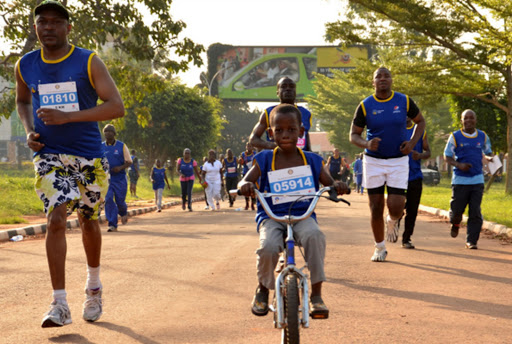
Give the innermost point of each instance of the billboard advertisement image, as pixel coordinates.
(251, 73)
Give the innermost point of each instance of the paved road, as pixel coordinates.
(180, 277)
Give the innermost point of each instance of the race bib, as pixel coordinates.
(301, 142)
(249, 164)
(232, 169)
(295, 180)
(60, 96)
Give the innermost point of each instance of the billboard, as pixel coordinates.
(251, 73)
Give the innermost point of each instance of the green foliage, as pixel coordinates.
(239, 121)
(461, 48)
(214, 52)
(122, 24)
(180, 118)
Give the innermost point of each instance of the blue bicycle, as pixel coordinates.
(290, 304)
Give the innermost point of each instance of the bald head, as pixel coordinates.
(468, 119)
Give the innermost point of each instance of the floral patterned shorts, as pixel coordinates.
(79, 182)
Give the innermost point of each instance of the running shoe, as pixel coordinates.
(471, 246)
(206, 208)
(124, 219)
(112, 229)
(408, 245)
(454, 231)
(392, 229)
(93, 305)
(58, 315)
(379, 255)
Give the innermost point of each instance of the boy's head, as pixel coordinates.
(286, 125)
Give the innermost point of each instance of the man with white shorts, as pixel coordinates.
(384, 114)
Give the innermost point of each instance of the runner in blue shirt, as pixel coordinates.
(159, 179)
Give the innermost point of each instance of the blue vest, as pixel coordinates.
(247, 158)
(159, 178)
(415, 165)
(387, 120)
(264, 160)
(306, 123)
(187, 168)
(469, 150)
(230, 166)
(82, 138)
(115, 157)
(335, 165)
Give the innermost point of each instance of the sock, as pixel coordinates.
(381, 244)
(93, 278)
(60, 295)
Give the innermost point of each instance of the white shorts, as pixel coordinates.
(392, 172)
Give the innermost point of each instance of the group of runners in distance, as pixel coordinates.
(73, 172)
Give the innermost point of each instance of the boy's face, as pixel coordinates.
(286, 130)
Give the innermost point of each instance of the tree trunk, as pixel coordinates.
(508, 185)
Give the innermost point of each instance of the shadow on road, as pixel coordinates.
(446, 302)
(476, 256)
(70, 338)
(126, 331)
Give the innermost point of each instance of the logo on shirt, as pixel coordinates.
(396, 109)
(376, 112)
(290, 171)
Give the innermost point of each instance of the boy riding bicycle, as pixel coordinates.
(288, 167)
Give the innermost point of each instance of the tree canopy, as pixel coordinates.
(461, 48)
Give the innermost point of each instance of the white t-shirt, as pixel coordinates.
(212, 172)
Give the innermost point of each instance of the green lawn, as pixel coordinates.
(19, 197)
(496, 206)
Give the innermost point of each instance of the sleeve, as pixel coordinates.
(487, 148)
(194, 163)
(359, 117)
(449, 150)
(126, 154)
(413, 109)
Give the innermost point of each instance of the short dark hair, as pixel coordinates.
(285, 108)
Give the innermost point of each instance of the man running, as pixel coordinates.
(57, 90)
(385, 164)
(287, 93)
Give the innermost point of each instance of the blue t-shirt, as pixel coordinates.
(231, 170)
(415, 165)
(306, 123)
(187, 168)
(79, 138)
(247, 162)
(335, 165)
(158, 178)
(468, 148)
(265, 160)
(115, 156)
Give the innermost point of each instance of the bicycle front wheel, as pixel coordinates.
(291, 310)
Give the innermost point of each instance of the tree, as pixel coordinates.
(461, 48)
(96, 24)
(180, 118)
(239, 121)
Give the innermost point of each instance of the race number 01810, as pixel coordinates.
(58, 98)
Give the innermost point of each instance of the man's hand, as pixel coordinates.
(406, 148)
(463, 166)
(341, 187)
(116, 169)
(32, 142)
(52, 116)
(373, 144)
(416, 155)
(247, 189)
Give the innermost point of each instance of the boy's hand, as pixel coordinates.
(341, 187)
(247, 189)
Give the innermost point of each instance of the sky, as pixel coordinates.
(253, 22)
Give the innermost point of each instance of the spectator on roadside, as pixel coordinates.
(464, 151)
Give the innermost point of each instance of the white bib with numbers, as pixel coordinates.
(296, 180)
(60, 96)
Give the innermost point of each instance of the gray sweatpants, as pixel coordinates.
(306, 233)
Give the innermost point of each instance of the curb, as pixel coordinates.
(7, 234)
(494, 227)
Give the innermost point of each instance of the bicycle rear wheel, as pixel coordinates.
(291, 310)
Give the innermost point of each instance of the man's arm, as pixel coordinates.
(426, 150)
(259, 129)
(308, 143)
(449, 156)
(407, 146)
(127, 160)
(24, 107)
(111, 108)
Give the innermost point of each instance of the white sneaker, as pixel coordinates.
(93, 305)
(58, 315)
(379, 255)
(392, 229)
(206, 208)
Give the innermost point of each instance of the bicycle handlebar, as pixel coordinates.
(333, 196)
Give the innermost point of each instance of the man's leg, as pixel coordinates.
(111, 208)
(376, 203)
(120, 190)
(475, 219)
(56, 247)
(190, 186)
(460, 198)
(412, 203)
(184, 193)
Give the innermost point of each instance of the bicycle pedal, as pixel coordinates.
(320, 316)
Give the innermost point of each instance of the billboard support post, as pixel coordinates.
(209, 84)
